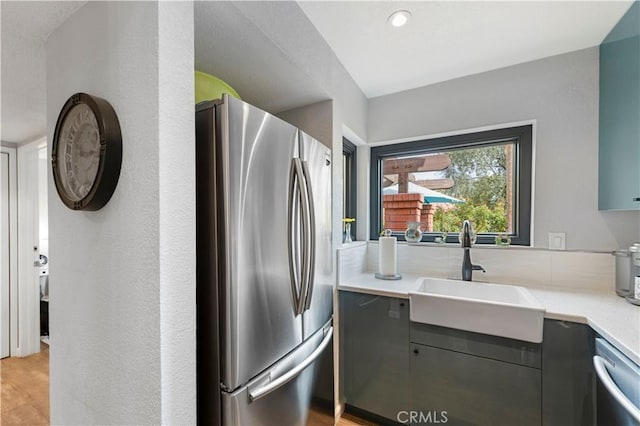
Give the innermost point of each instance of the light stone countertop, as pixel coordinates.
(609, 315)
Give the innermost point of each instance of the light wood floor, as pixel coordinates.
(321, 419)
(24, 390)
(24, 393)
(351, 420)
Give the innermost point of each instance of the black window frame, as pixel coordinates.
(350, 155)
(522, 136)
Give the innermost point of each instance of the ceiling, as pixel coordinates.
(25, 27)
(444, 40)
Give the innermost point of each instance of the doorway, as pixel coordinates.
(4, 249)
(24, 365)
(32, 231)
(8, 251)
(43, 239)
(23, 248)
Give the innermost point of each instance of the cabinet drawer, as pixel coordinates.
(494, 347)
(474, 390)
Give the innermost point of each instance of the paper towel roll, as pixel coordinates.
(387, 256)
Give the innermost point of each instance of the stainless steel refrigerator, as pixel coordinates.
(264, 266)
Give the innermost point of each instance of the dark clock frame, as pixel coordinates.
(110, 161)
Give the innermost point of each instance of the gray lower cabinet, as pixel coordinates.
(374, 352)
(568, 378)
(474, 379)
(393, 369)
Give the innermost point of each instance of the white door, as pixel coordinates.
(4, 255)
(28, 249)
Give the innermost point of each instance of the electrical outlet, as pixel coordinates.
(556, 240)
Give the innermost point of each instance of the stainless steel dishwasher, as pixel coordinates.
(618, 388)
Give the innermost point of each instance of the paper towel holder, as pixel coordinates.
(386, 234)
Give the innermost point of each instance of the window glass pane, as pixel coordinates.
(441, 189)
(349, 186)
(439, 182)
(345, 185)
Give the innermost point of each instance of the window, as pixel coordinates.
(484, 177)
(349, 199)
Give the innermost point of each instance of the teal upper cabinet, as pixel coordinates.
(619, 154)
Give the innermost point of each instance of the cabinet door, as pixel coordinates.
(568, 378)
(473, 390)
(619, 153)
(375, 351)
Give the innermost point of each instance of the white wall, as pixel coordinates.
(177, 218)
(122, 285)
(289, 28)
(561, 94)
(314, 119)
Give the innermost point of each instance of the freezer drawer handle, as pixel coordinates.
(291, 374)
(607, 381)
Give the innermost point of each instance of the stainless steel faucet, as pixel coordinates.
(466, 237)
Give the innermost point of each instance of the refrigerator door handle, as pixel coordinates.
(265, 390)
(297, 201)
(311, 241)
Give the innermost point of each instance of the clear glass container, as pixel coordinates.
(413, 234)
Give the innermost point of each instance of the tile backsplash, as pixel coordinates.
(518, 266)
(352, 260)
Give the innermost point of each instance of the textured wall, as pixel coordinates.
(119, 338)
(177, 202)
(561, 94)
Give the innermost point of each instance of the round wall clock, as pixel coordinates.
(87, 152)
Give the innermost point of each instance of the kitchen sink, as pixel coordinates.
(495, 309)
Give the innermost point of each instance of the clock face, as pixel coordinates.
(78, 153)
(87, 152)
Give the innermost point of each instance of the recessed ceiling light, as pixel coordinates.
(399, 18)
